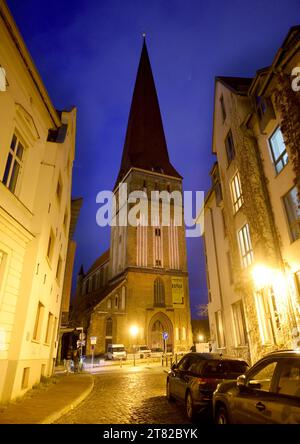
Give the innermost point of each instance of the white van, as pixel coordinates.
(116, 351)
(143, 351)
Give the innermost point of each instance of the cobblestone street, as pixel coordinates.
(128, 396)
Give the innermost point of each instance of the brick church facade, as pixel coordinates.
(142, 280)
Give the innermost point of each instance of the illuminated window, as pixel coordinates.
(245, 246)
(229, 145)
(13, 164)
(239, 323)
(292, 209)
(278, 150)
(236, 192)
(268, 316)
(220, 329)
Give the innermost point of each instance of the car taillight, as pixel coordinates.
(204, 381)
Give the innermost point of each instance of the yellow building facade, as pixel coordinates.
(36, 157)
(251, 214)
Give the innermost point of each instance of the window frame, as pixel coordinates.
(292, 225)
(12, 152)
(232, 154)
(248, 253)
(280, 157)
(236, 192)
(38, 323)
(239, 321)
(223, 108)
(266, 313)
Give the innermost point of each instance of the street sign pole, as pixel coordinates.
(93, 340)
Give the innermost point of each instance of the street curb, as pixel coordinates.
(58, 414)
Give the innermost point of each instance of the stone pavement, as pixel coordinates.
(44, 406)
(128, 395)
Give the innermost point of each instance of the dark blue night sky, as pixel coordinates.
(87, 53)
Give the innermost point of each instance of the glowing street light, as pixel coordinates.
(262, 276)
(200, 338)
(133, 333)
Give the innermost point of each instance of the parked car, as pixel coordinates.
(196, 376)
(143, 351)
(268, 393)
(116, 351)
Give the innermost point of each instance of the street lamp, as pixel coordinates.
(200, 338)
(133, 332)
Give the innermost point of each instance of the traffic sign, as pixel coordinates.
(165, 335)
(82, 336)
(93, 340)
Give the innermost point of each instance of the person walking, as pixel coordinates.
(68, 361)
(76, 360)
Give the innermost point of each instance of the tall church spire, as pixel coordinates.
(145, 144)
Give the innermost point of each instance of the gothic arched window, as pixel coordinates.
(108, 330)
(159, 293)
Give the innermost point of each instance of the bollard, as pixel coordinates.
(171, 361)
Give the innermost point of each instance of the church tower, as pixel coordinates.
(148, 293)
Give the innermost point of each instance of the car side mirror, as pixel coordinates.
(241, 381)
(174, 367)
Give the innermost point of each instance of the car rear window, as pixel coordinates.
(223, 369)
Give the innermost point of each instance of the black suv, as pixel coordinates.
(269, 393)
(196, 376)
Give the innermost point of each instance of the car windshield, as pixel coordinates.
(118, 349)
(143, 348)
(223, 369)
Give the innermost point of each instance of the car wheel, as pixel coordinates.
(222, 416)
(189, 406)
(168, 394)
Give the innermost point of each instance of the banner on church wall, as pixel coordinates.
(177, 290)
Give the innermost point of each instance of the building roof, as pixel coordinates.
(25, 56)
(145, 144)
(239, 85)
(98, 262)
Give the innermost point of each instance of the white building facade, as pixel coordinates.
(36, 157)
(252, 217)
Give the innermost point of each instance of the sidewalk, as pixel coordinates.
(44, 406)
